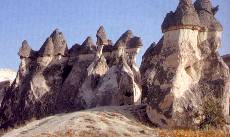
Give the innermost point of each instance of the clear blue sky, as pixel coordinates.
(34, 20)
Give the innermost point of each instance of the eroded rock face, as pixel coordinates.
(55, 79)
(39, 79)
(183, 67)
(101, 76)
(7, 77)
(226, 59)
(4, 85)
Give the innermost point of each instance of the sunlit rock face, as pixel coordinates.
(100, 75)
(184, 66)
(55, 79)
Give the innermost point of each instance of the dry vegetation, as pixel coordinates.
(192, 133)
(162, 133)
(72, 133)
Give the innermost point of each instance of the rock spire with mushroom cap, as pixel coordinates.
(47, 48)
(206, 5)
(59, 42)
(88, 42)
(25, 51)
(101, 40)
(206, 14)
(185, 16)
(101, 36)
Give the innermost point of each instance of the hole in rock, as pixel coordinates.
(66, 72)
(188, 70)
(128, 94)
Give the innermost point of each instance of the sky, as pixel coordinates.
(34, 21)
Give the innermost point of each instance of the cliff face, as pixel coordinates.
(184, 67)
(55, 79)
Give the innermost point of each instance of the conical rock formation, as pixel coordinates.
(55, 79)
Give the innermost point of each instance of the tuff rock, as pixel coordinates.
(184, 67)
(7, 77)
(55, 79)
(175, 76)
(4, 85)
(226, 59)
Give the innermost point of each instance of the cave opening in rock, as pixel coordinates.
(66, 72)
(128, 93)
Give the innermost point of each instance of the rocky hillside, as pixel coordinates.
(123, 121)
(183, 82)
(57, 79)
(98, 122)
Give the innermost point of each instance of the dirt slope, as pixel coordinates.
(98, 122)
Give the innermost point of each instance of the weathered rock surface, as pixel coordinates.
(4, 85)
(226, 59)
(39, 79)
(176, 74)
(7, 76)
(103, 121)
(101, 77)
(55, 79)
(184, 67)
(101, 36)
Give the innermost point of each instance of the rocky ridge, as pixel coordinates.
(176, 76)
(56, 79)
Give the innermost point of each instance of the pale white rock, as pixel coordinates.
(7, 74)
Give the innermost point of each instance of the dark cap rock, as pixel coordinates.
(88, 42)
(47, 48)
(203, 5)
(25, 51)
(184, 16)
(59, 42)
(110, 42)
(206, 14)
(101, 36)
(124, 39)
(135, 42)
